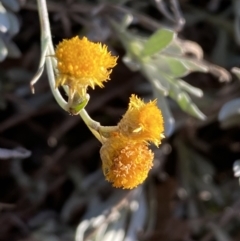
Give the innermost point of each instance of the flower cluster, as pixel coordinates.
(81, 63)
(125, 155)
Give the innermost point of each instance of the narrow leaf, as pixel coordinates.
(176, 66)
(158, 41)
(188, 106)
(182, 98)
(195, 65)
(190, 89)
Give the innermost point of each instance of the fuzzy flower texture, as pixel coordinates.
(81, 63)
(125, 155)
(126, 158)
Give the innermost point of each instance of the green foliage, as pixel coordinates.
(157, 42)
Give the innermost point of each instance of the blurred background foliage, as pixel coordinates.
(186, 54)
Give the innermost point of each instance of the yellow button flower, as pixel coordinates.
(125, 163)
(142, 122)
(81, 63)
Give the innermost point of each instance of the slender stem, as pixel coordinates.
(92, 125)
(88, 120)
(47, 37)
(51, 78)
(100, 132)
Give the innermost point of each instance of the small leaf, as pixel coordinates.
(173, 49)
(14, 24)
(190, 89)
(157, 42)
(176, 66)
(195, 65)
(188, 106)
(183, 99)
(20, 153)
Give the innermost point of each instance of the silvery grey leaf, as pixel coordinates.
(20, 153)
(4, 20)
(153, 75)
(174, 66)
(190, 89)
(133, 66)
(188, 106)
(195, 65)
(174, 48)
(14, 24)
(182, 98)
(229, 109)
(13, 5)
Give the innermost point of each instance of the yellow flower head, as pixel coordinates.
(125, 163)
(142, 122)
(81, 63)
